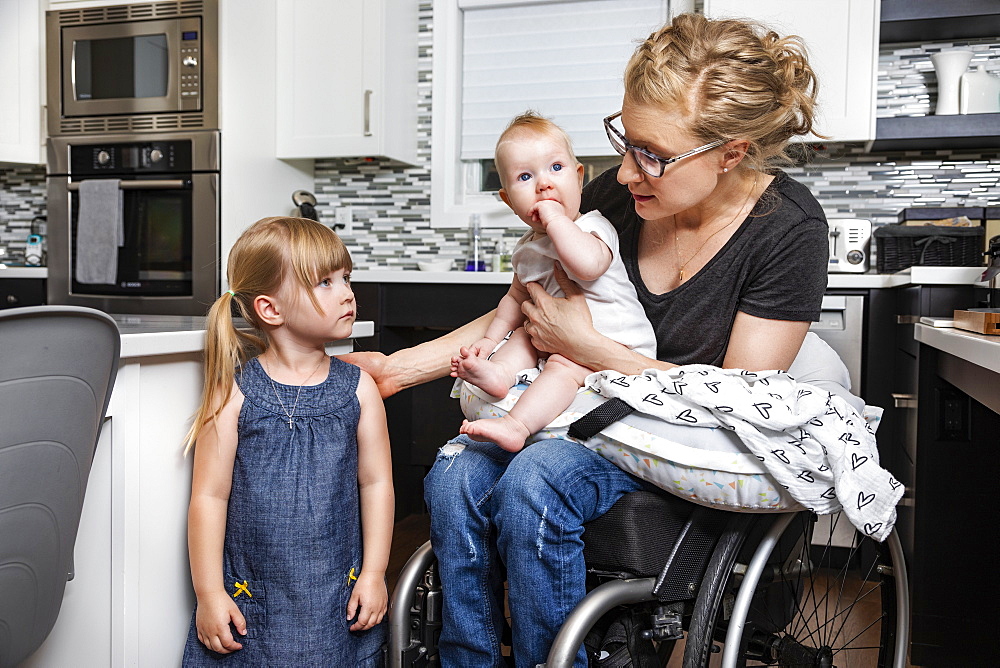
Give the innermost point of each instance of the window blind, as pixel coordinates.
(564, 60)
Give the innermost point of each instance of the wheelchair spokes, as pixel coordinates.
(827, 604)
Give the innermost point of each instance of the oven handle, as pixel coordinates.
(150, 184)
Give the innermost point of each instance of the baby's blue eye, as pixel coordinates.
(325, 283)
(524, 177)
(347, 279)
(556, 167)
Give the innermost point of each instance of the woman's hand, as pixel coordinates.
(215, 612)
(369, 601)
(558, 325)
(378, 367)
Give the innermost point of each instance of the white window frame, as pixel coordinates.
(455, 184)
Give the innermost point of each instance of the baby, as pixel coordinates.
(541, 182)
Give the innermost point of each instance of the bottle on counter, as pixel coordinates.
(476, 261)
(501, 257)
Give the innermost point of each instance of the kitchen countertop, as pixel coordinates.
(979, 349)
(146, 335)
(911, 276)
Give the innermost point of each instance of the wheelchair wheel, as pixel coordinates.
(790, 602)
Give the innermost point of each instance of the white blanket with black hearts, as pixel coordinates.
(812, 442)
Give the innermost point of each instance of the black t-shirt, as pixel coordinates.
(773, 267)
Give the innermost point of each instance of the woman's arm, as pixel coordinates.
(369, 599)
(759, 344)
(420, 364)
(214, 457)
(564, 326)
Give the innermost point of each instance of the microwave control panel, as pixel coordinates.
(189, 71)
(131, 158)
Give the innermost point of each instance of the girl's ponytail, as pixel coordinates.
(226, 348)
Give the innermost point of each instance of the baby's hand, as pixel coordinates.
(546, 210)
(369, 601)
(215, 612)
(481, 348)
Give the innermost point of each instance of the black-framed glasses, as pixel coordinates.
(650, 163)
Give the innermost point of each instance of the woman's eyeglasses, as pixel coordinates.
(650, 163)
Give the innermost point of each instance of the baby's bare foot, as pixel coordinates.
(506, 432)
(486, 375)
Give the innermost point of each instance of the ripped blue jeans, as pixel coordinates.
(494, 514)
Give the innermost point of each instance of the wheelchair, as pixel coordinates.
(749, 589)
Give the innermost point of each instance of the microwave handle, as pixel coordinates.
(150, 184)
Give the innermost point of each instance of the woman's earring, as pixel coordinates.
(725, 169)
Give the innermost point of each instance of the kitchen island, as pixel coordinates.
(131, 600)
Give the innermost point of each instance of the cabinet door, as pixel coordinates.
(21, 26)
(842, 40)
(329, 88)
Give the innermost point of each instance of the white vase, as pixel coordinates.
(949, 66)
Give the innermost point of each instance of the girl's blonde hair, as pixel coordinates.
(731, 79)
(268, 252)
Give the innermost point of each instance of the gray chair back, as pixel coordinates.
(57, 369)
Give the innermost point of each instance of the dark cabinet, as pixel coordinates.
(423, 418)
(954, 595)
(16, 292)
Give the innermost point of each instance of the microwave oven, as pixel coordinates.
(147, 67)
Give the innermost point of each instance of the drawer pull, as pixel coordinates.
(907, 319)
(904, 400)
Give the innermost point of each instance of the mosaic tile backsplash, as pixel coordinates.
(391, 204)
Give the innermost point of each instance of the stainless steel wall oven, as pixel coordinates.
(166, 191)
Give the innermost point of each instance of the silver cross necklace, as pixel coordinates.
(289, 414)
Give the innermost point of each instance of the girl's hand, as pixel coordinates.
(547, 209)
(557, 325)
(369, 601)
(215, 612)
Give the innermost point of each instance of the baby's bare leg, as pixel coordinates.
(497, 375)
(548, 396)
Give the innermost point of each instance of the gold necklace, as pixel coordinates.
(274, 389)
(677, 241)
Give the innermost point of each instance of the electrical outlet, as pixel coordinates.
(343, 220)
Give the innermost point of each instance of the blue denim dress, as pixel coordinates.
(293, 531)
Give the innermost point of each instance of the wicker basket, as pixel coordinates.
(900, 247)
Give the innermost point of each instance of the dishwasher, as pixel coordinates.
(841, 325)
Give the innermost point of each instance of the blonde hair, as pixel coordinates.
(732, 79)
(268, 252)
(531, 121)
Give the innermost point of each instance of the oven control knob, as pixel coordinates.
(855, 257)
(155, 155)
(190, 61)
(103, 157)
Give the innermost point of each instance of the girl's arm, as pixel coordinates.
(369, 598)
(508, 315)
(214, 456)
(584, 254)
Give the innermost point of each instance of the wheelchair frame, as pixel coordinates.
(415, 618)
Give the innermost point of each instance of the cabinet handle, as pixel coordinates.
(904, 400)
(907, 319)
(368, 113)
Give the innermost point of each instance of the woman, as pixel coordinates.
(729, 262)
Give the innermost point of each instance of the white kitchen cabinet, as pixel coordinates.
(842, 40)
(22, 135)
(347, 79)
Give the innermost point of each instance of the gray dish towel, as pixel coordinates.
(100, 231)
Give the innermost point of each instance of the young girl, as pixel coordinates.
(291, 467)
